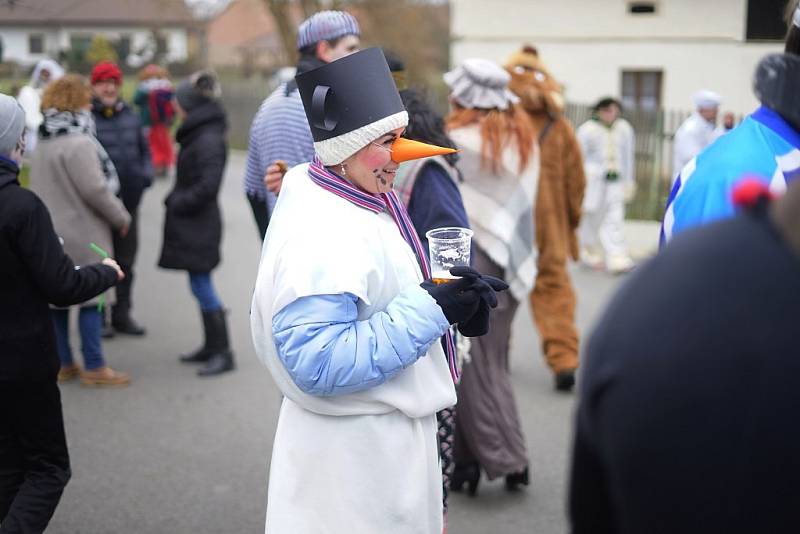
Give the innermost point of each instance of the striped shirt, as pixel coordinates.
(279, 131)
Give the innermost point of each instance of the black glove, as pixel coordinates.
(486, 286)
(478, 325)
(458, 300)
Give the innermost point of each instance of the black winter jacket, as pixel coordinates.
(690, 384)
(119, 130)
(193, 224)
(34, 271)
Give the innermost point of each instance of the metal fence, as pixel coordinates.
(654, 133)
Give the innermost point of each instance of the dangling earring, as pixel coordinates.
(344, 170)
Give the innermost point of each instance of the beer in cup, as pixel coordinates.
(448, 247)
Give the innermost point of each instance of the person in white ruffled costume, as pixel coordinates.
(607, 144)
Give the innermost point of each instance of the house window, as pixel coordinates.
(641, 90)
(123, 47)
(36, 43)
(80, 43)
(642, 8)
(162, 47)
(765, 20)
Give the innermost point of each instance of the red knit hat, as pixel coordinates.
(106, 70)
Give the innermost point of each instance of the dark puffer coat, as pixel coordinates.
(119, 130)
(35, 271)
(193, 225)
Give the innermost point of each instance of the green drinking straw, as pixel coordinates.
(100, 252)
(103, 254)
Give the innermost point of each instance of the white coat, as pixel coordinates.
(604, 149)
(359, 463)
(691, 138)
(30, 99)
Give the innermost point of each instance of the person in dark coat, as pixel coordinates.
(691, 383)
(34, 272)
(193, 225)
(120, 132)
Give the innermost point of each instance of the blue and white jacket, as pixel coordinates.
(763, 146)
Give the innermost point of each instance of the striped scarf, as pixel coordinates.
(390, 202)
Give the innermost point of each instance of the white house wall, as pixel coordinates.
(590, 72)
(582, 19)
(15, 44)
(176, 37)
(588, 43)
(15, 40)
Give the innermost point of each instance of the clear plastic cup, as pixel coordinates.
(448, 247)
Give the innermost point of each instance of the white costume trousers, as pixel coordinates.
(602, 223)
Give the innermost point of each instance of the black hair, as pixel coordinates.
(311, 49)
(425, 124)
(207, 84)
(793, 32)
(394, 61)
(603, 103)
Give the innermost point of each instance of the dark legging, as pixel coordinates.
(260, 213)
(34, 463)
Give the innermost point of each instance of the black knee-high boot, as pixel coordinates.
(220, 359)
(202, 354)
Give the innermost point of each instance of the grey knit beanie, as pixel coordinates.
(12, 123)
(326, 26)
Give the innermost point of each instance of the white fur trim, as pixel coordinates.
(337, 149)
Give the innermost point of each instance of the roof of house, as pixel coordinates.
(95, 12)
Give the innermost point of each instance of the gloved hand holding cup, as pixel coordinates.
(464, 294)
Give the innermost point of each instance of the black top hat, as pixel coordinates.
(353, 94)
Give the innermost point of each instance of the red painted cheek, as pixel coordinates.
(375, 160)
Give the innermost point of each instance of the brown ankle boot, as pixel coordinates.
(104, 377)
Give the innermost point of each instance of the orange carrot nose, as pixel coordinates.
(405, 149)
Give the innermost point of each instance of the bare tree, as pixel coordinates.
(284, 24)
(310, 7)
(417, 30)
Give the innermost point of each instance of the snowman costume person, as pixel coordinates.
(347, 324)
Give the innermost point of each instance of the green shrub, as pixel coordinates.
(101, 49)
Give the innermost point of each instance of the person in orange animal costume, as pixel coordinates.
(558, 212)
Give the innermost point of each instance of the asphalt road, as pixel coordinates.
(174, 453)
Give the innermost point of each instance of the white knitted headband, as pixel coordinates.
(337, 149)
